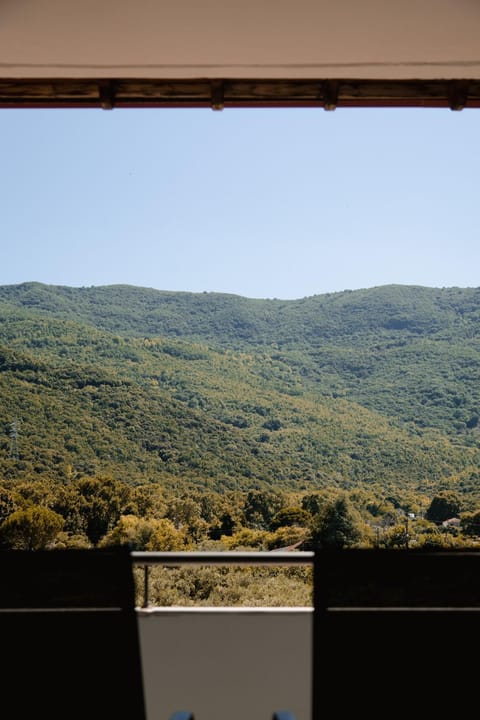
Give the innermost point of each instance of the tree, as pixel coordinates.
(445, 505)
(147, 501)
(8, 504)
(290, 517)
(31, 529)
(338, 525)
(102, 501)
(247, 538)
(285, 536)
(260, 508)
(130, 531)
(394, 536)
(470, 523)
(69, 503)
(165, 537)
(186, 515)
(313, 503)
(226, 526)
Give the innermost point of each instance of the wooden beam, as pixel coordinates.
(217, 94)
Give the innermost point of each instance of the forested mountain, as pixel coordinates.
(373, 388)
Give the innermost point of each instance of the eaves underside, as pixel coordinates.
(117, 92)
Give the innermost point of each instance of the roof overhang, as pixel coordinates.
(227, 53)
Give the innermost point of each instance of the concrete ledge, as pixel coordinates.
(223, 662)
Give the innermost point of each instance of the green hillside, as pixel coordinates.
(410, 353)
(374, 388)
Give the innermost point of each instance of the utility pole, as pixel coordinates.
(406, 532)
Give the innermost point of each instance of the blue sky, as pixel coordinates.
(256, 202)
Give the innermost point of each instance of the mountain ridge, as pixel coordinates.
(369, 387)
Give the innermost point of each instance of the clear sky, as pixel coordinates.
(257, 202)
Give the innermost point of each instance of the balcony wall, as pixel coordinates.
(226, 663)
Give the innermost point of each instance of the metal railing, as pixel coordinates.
(230, 558)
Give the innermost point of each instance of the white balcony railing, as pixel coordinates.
(225, 662)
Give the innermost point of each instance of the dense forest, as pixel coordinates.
(172, 420)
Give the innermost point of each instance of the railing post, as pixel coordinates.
(146, 601)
